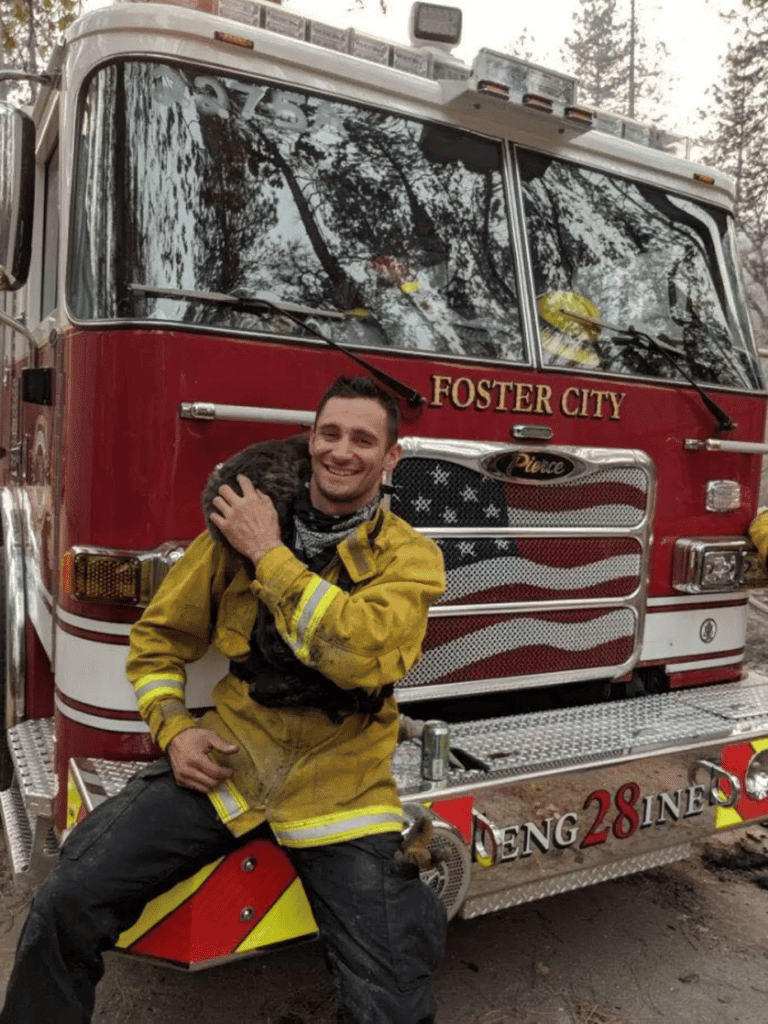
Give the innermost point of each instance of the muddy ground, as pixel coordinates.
(686, 944)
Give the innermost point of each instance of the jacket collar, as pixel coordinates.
(356, 551)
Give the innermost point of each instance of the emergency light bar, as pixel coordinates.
(521, 77)
(553, 92)
(436, 23)
(500, 75)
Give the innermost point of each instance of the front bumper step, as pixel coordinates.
(28, 806)
(548, 743)
(545, 748)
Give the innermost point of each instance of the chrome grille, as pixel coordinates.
(503, 570)
(439, 492)
(481, 648)
(545, 576)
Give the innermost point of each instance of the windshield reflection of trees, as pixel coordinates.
(644, 259)
(320, 203)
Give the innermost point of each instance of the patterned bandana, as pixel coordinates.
(318, 533)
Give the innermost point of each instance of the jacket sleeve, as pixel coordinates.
(758, 532)
(174, 630)
(370, 637)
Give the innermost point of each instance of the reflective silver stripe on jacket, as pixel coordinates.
(311, 608)
(334, 830)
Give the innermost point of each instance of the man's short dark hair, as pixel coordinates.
(365, 387)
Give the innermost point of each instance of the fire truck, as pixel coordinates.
(215, 208)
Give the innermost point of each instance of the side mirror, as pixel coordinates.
(17, 195)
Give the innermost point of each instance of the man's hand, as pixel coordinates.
(191, 765)
(250, 523)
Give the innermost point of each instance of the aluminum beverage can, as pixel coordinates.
(435, 744)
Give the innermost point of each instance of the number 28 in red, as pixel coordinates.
(627, 817)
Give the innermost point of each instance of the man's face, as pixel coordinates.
(350, 451)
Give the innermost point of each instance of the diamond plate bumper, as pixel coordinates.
(577, 796)
(546, 743)
(571, 796)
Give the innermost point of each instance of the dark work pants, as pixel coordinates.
(383, 930)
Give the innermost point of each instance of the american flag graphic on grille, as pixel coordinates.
(436, 492)
(497, 571)
(475, 647)
(481, 642)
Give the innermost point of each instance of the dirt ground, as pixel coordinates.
(686, 944)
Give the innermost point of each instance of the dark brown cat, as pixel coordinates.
(274, 467)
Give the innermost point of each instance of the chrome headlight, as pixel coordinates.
(710, 564)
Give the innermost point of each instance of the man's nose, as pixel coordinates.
(342, 449)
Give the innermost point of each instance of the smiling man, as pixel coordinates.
(317, 632)
(353, 442)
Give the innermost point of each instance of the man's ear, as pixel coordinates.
(392, 457)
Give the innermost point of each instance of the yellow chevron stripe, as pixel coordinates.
(289, 918)
(725, 817)
(759, 745)
(163, 905)
(74, 801)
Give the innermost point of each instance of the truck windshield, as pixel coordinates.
(635, 255)
(199, 182)
(193, 182)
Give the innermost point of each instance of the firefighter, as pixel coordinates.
(300, 739)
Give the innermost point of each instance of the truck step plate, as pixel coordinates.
(95, 779)
(31, 746)
(542, 888)
(548, 742)
(18, 835)
(31, 843)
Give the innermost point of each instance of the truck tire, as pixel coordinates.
(6, 764)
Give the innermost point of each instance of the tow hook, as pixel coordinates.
(717, 775)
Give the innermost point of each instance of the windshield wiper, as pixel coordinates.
(255, 303)
(262, 303)
(667, 348)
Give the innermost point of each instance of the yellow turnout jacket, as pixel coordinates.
(314, 781)
(758, 532)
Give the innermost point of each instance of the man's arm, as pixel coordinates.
(758, 532)
(369, 638)
(192, 767)
(174, 631)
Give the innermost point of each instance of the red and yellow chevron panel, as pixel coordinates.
(247, 901)
(75, 807)
(735, 759)
(457, 812)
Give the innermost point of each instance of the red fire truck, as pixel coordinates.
(213, 208)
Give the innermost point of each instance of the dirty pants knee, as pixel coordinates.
(132, 847)
(383, 930)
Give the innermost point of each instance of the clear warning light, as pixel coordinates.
(436, 24)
